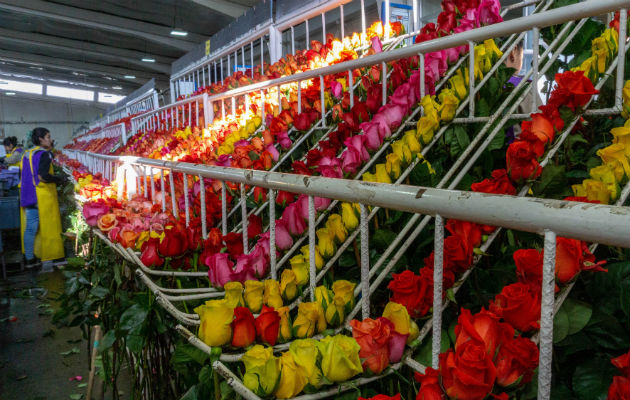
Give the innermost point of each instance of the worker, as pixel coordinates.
(41, 232)
(14, 151)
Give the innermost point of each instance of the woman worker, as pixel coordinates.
(14, 151)
(41, 231)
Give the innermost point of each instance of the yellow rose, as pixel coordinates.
(425, 129)
(400, 148)
(458, 85)
(272, 296)
(393, 165)
(492, 50)
(448, 105)
(254, 295)
(143, 237)
(262, 370)
(216, 318)
(325, 243)
(234, 294)
(319, 261)
(381, 174)
(604, 174)
(626, 101)
(284, 333)
(340, 357)
(345, 290)
(306, 354)
(288, 285)
(414, 332)
(369, 177)
(399, 316)
(292, 377)
(336, 312)
(596, 190)
(622, 136)
(300, 267)
(349, 216)
(309, 320)
(323, 296)
(615, 154)
(336, 227)
(412, 142)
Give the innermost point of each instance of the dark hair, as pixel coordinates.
(10, 141)
(38, 134)
(520, 45)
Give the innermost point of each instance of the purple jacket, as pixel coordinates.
(28, 197)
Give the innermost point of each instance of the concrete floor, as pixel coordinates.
(31, 364)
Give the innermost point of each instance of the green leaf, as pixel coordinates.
(552, 181)
(498, 141)
(191, 394)
(347, 259)
(185, 353)
(76, 396)
(205, 375)
(382, 238)
(74, 350)
(578, 314)
(107, 341)
(578, 174)
(99, 292)
(560, 325)
(135, 343)
(607, 332)
(592, 378)
(424, 355)
(457, 140)
(482, 107)
(133, 318)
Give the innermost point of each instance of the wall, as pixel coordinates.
(19, 114)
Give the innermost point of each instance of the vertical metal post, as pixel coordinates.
(311, 247)
(202, 200)
(221, 70)
(322, 99)
(262, 56)
(292, 40)
(299, 96)
(471, 79)
(229, 62)
(365, 262)
(262, 106)
(351, 87)
(243, 59)
(621, 57)
(415, 15)
(186, 199)
(189, 114)
(208, 111)
(251, 55)
(244, 217)
(279, 99)
(223, 209)
(171, 181)
(546, 317)
(386, 22)
(203, 75)
(162, 190)
(216, 76)
(308, 41)
(343, 33)
(384, 82)
(438, 270)
(196, 112)
(152, 185)
(363, 17)
(223, 109)
(324, 28)
(233, 106)
(144, 178)
(535, 74)
(272, 233)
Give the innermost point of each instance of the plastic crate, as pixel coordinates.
(9, 212)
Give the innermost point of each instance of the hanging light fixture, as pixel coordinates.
(177, 31)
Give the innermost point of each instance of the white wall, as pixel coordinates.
(19, 114)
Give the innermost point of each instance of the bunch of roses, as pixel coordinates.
(620, 387)
(234, 314)
(100, 145)
(605, 181)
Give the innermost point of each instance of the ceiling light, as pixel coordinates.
(130, 77)
(117, 87)
(179, 32)
(148, 59)
(109, 78)
(10, 93)
(4, 83)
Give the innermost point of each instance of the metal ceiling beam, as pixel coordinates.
(41, 39)
(95, 20)
(223, 6)
(155, 67)
(78, 66)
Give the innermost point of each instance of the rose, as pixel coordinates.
(244, 332)
(619, 389)
(262, 370)
(107, 221)
(373, 336)
(319, 261)
(93, 210)
(519, 305)
(284, 332)
(272, 294)
(283, 237)
(468, 231)
(294, 221)
(458, 255)
(340, 357)
(429, 385)
(288, 284)
(150, 256)
(234, 294)
(325, 242)
(622, 363)
(219, 269)
(174, 243)
(468, 372)
(127, 237)
(521, 161)
(483, 327)
(254, 226)
(292, 377)
(528, 266)
(410, 290)
(398, 315)
(516, 361)
(349, 216)
(310, 320)
(578, 87)
(216, 317)
(382, 397)
(300, 268)
(572, 256)
(268, 325)
(234, 243)
(306, 354)
(253, 295)
(498, 184)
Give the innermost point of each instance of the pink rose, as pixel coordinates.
(283, 139)
(258, 261)
(404, 96)
(224, 160)
(219, 268)
(294, 221)
(244, 270)
(93, 210)
(393, 114)
(321, 203)
(336, 88)
(330, 167)
(377, 46)
(383, 125)
(489, 12)
(283, 238)
(351, 160)
(357, 142)
(273, 151)
(373, 140)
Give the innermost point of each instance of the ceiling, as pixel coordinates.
(99, 42)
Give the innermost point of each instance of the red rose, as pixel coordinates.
(234, 243)
(499, 184)
(521, 161)
(516, 361)
(284, 198)
(579, 87)
(150, 256)
(302, 122)
(429, 385)
(623, 363)
(254, 226)
(260, 195)
(243, 330)
(194, 237)
(299, 167)
(619, 389)
(458, 255)
(470, 232)
(483, 327)
(468, 372)
(174, 243)
(373, 337)
(573, 256)
(268, 325)
(410, 290)
(529, 266)
(374, 99)
(519, 305)
(214, 242)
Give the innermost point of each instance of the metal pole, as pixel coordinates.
(365, 262)
(546, 317)
(438, 270)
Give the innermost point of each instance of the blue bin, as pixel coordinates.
(9, 212)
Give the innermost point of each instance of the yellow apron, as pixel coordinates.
(17, 163)
(48, 241)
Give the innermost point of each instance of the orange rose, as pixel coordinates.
(127, 237)
(107, 221)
